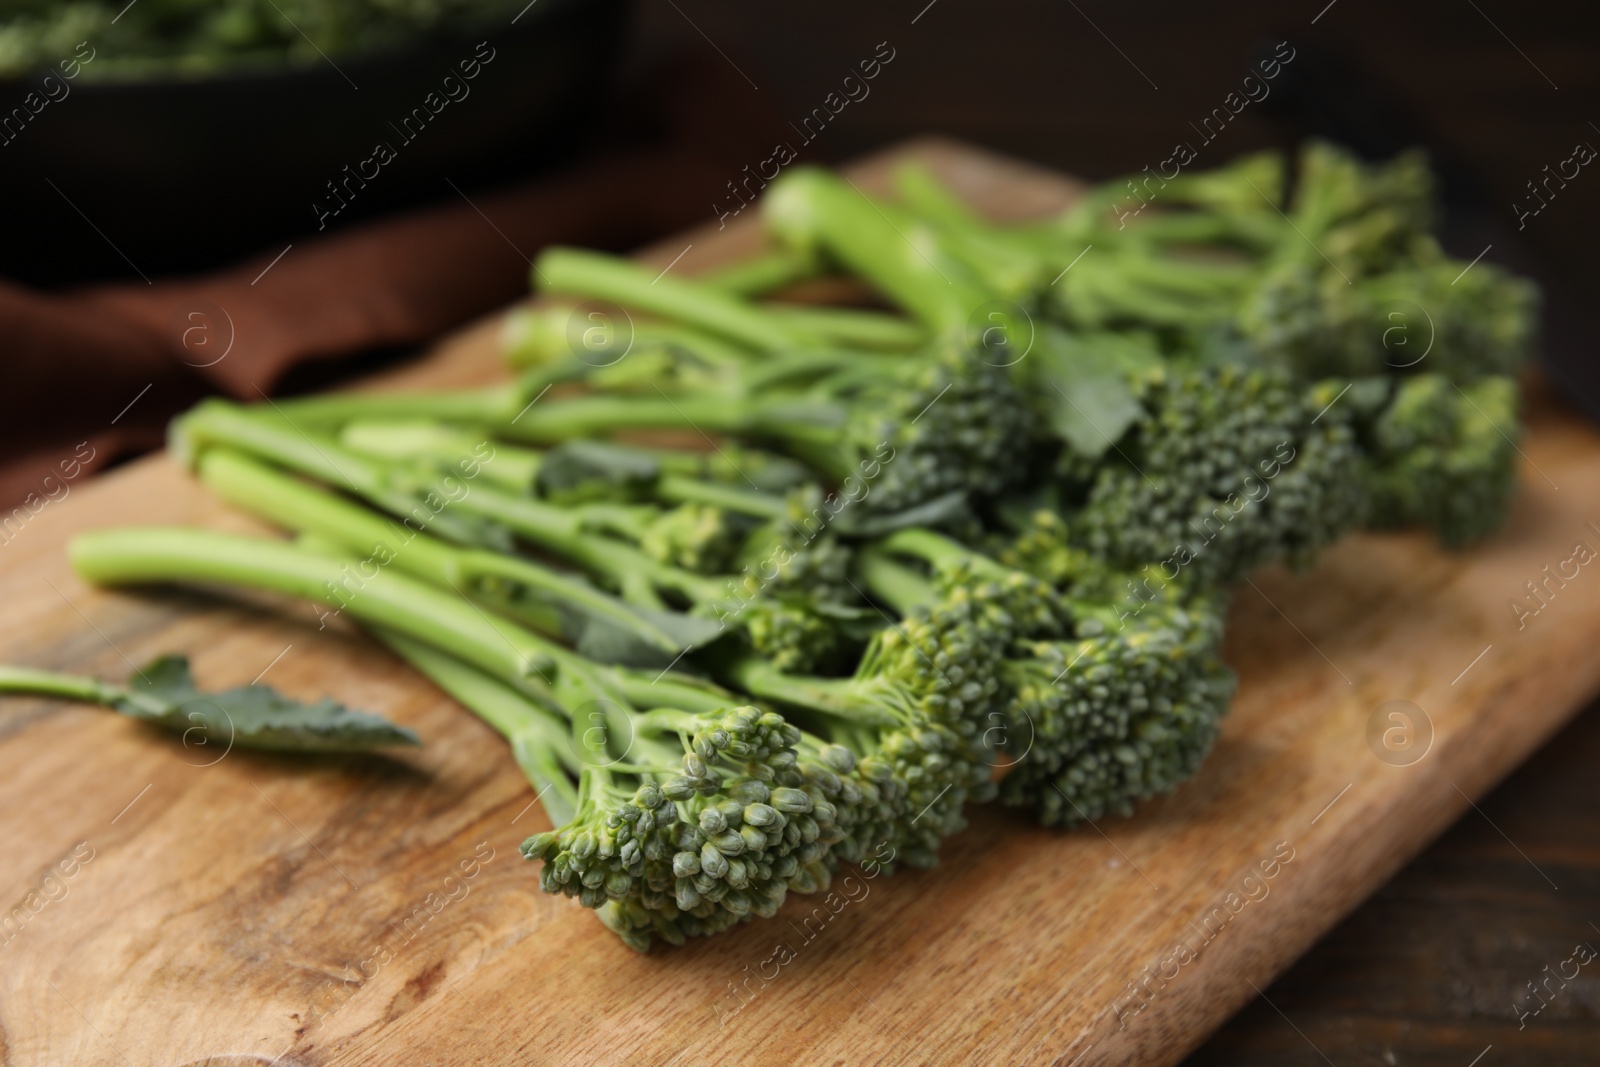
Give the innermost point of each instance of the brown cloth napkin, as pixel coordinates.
(93, 375)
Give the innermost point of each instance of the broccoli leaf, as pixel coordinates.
(252, 716)
(1086, 385)
(595, 470)
(607, 641)
(941, 509)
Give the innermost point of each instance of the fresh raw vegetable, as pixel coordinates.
(1335, 280)
(689, 813)
(854, 569)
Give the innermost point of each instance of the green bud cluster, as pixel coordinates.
(941, 667)
(933, 673)
(794, 588)
(694, 537)
(1229, 467)
(1444, 455)
(959, 424)
(1116, 715)
(1426, 315)
(693, 849)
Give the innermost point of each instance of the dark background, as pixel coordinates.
(1428, 971)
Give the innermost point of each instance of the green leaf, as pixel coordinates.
(1086, 383)
(608, 641)
(596, 470)
(941, 509)
(252, 716)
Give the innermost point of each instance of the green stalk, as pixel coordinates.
(270, 435)
(1010, 267)
(677, 489)
(563, 532)
(810, 427)
(539, 740)
(594, 416)
(511, 467)
(837, 698)
(938, 551)
(647, 690)
(924, 193)
(853, 327)
(1137, 287)
(304, 509)
(887, 578)
(546, 336)
(810, 208)
(63, 686)
(491, 405)
(174, 554)
(756, 275)
(297, 506)
(594, 275)
(1196, 228)
(263, 432)
(515, 469)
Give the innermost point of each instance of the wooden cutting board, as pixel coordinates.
(173, 904)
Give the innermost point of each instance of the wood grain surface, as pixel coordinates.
(1433, 970)
(184, 906)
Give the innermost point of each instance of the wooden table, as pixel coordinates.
(1432, 969)
(230, 907)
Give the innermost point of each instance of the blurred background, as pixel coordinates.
(190, 181)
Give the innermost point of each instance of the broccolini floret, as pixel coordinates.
(909, 713)
(1125, 705)
(1110, 689)
(1222, 469)
(1443, 454)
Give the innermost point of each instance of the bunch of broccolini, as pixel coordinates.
(753, 589)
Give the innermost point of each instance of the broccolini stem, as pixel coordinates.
(575, 272)
(175, 554)
(810, 208)
(492, 405)
(772, 269)
(1009, 266)
(664, 720)
(887, 578)
(812, 428)
(838, 698)
(853, 327)
(304, 509)
(594, 416)
(562, 532)
(299, 507)
(1196, 228)
(677, 489)
(550, 337)
(939, 551)
(264, 433)
(925, 194)
(272, 436)
(65, 686)
(515, 469)
(539, 739)
(510, 467)
(645, 690)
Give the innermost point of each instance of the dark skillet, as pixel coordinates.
(182, 175)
